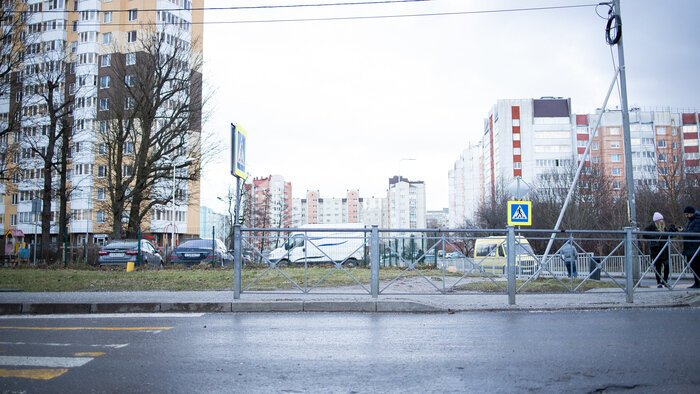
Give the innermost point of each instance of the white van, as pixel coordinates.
(315, 247)
(490, 253)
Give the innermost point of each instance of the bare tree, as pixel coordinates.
(151, 125)
(46, 107)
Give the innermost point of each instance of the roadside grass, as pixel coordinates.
(202, 277)
(541, 285)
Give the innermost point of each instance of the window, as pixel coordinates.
(615, 158)
(663, 157)
(104, 104)
(516, 151)
(107, 38)
(101, 217)
(129, 80)
(133, 14)
(516, 136)
(517, 165)
(660, 130)
(107, 17)
(131, 36)
(130, 58)
(129, 103)
(105, 60)
(617, 171)
(615, 145)
(102, 149)
(13, 220)
(128, 148)
(14, 199)
(662, 143)
(596, 159)
(101, 171)
(101, 194)
(614, 131)
(104, 82)
(74, 47)
(127, 170)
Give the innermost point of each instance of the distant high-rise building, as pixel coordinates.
(406, 203)
(270, 202)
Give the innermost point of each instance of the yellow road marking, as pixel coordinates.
(87, 328)
(43, 374)
(89, 354)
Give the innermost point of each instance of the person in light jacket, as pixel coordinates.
(569, 254)
(656, 244)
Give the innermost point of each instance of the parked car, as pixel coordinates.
(456, 255)
(195, 251)
(120, 252)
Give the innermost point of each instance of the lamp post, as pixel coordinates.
(172, 218)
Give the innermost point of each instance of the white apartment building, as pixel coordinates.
(406, 203)
(533, 138)
(465, 186)
(335, 210)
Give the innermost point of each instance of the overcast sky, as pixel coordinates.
(336, 105)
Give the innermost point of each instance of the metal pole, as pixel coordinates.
(238, 199)
(213, 248)
(626, 139)
(629, 262)
(172, 219)
(237, 257)
(629, 176)
(374, 261)
(510, 250)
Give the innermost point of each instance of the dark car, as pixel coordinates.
(197, 251)
(123, 251)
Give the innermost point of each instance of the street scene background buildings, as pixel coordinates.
(91, 51)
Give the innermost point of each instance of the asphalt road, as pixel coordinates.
(646, 350)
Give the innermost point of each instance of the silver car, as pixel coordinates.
(120, 252)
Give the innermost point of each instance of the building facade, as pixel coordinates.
(92, 53)
(270, 202)
(406, 203)
(536, 139)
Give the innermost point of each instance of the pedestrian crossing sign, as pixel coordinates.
(520, 213)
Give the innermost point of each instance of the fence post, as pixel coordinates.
(629, 264)
(237, 257)
(374, 261)
(510, 251)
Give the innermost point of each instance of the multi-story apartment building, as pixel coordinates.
(270, 200)
(406, 203)
(93, 52)
(465, 186)
(536, 138)
(316, 210)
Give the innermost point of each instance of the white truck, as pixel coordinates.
(315, 247)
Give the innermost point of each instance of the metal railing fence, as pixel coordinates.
(375, 261)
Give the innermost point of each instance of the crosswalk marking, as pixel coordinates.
(157, 329)
(113, 346)
(51, 362)
(42, 374)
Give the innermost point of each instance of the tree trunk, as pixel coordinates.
(63, 190)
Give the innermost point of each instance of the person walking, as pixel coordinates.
(568, 253)
(656, 245)
(690, 244)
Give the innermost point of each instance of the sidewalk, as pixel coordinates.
(222, 301)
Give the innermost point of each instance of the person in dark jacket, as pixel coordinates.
(690, 244)
(656, 245)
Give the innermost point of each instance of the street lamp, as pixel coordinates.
(172, 218)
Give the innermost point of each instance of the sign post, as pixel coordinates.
(238, 169)
(238, 162)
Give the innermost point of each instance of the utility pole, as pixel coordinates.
(629, 176)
